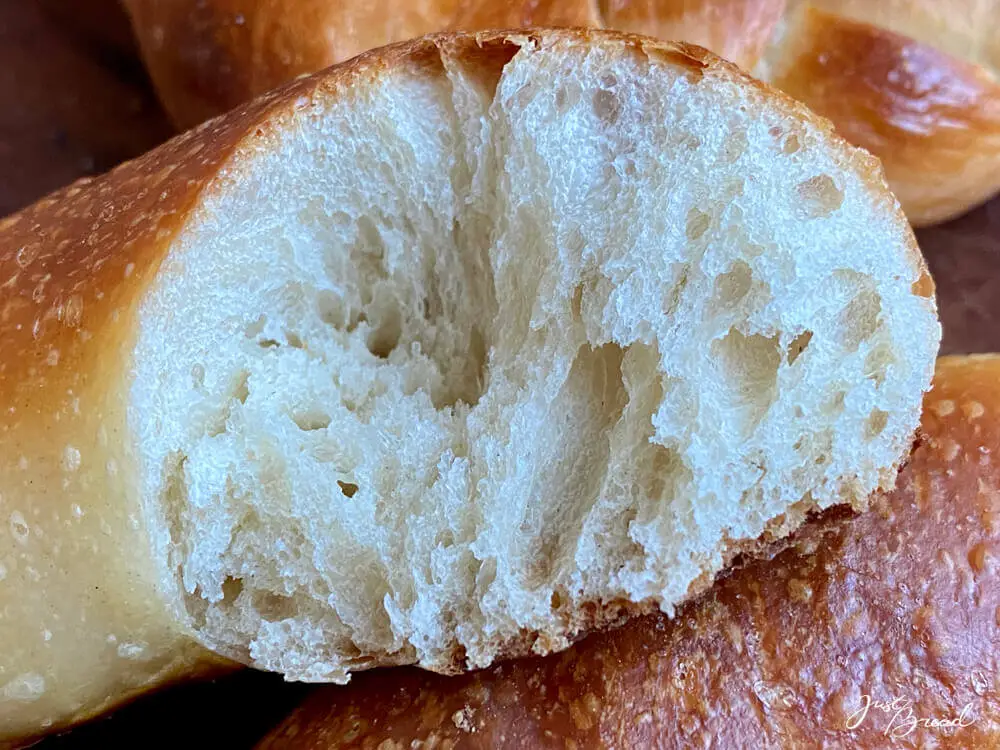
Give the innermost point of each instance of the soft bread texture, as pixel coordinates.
(451, 353)
(550, 406)
(899, 603)
(913, 81)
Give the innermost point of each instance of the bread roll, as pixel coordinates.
(900, 602)
(913, 81)
(208, 57)
(452, 353)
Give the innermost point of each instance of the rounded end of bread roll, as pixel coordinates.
(476, 342)
(932, 118)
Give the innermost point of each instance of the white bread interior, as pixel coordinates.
(463, 352)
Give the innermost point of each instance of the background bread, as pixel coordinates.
(899, 602)
(208, 57)
(70, 108)
(114, 284)
(913, 81)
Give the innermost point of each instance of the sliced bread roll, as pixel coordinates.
(874, 630)
(451, 353)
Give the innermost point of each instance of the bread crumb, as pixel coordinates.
(71, 458)
(951, 451)
(19, 527)
(946, 559)
(944, 408)
(463, 719)
(973, 409)
(25, 688)
(130, 650)
(980, 682)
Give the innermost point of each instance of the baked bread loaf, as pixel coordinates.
(898, 604)
(452, 353)
(913, 81)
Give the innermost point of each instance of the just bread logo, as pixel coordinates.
(898, 717)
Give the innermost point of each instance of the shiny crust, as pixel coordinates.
(900, 602)
(914, 81)
(738, 30)
(85, 611)
(84, 624)
(206, 58)
(964, 28)
(934, 119)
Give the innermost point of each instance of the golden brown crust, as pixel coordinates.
(85, 622)
(963, 28)
(206, 58)
(915, 82)
(738, 30)
(901, 602)
(934, 119)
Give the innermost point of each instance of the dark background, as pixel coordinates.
(75, 101)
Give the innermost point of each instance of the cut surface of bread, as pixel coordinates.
(772, 655)
(491, 340)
